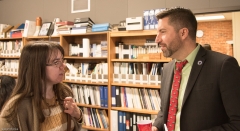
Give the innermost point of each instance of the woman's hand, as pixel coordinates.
(72, 108)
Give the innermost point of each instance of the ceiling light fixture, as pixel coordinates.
(212, 17)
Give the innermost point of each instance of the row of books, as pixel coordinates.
(10, 48)
(137, 98)
(101, 27)
(150, 20)
(87, 68)
(137, 79)
(91, 95)
(93, 78)
(9, 66)
(145, 68)
(127, 121)
(137, 73)
(79, 26)
(129, 51)
(4, 29)
(29, 28)
(87, 49)
(96, 118)
(9, 63)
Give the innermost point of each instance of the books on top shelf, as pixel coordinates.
(101, 27)
(2, 27)
(63, 23)
(82, 25)
(29, 28)
(84, 20)
(80, 30)
(17, 31)
(4, 30)
(64, 27)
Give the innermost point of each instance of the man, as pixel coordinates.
(209, 90)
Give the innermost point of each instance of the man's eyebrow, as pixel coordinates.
(162, 30)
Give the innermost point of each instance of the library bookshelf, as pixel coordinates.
(87, 84)
(137, 38)
(131, 39)
(9, 55)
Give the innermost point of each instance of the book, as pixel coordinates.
(102, 95)
(120, 120)
(146, 23)
(86, 117)
(61, 23)
(96, 118)
(105, 97)
(65, 27)
(5, 31)
(29, 28)
(82, 25)
(114, 120)
(79, 30)
(99, 119)
(124, 121)
(103, 118)
(64, 32)
(75, 92)
(84, 20)
(113, 94)
(106, 117)
(118, 97)
(101, 25)
(2, 27)
(18, 27)
(98, 29)
(128, 121)
(92, 117)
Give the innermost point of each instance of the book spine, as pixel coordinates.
(101, 95)
(105, 88)
(113, 96)
(100, 25)
(118, 97)
(104, 28)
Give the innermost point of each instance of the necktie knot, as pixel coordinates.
(180, 65)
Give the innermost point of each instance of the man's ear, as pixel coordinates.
(183, 33)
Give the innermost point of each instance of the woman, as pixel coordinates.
(40, 102)
(7, 84)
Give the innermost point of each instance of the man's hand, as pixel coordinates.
(154, 128)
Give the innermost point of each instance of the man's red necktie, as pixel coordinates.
(174, 95)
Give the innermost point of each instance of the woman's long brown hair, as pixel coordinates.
(32, 76)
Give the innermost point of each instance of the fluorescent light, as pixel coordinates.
(212, 17)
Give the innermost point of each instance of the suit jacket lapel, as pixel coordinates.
(196, 68)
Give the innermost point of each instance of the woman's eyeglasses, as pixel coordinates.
(56, 63)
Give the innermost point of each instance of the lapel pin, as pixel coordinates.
(199, 62)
